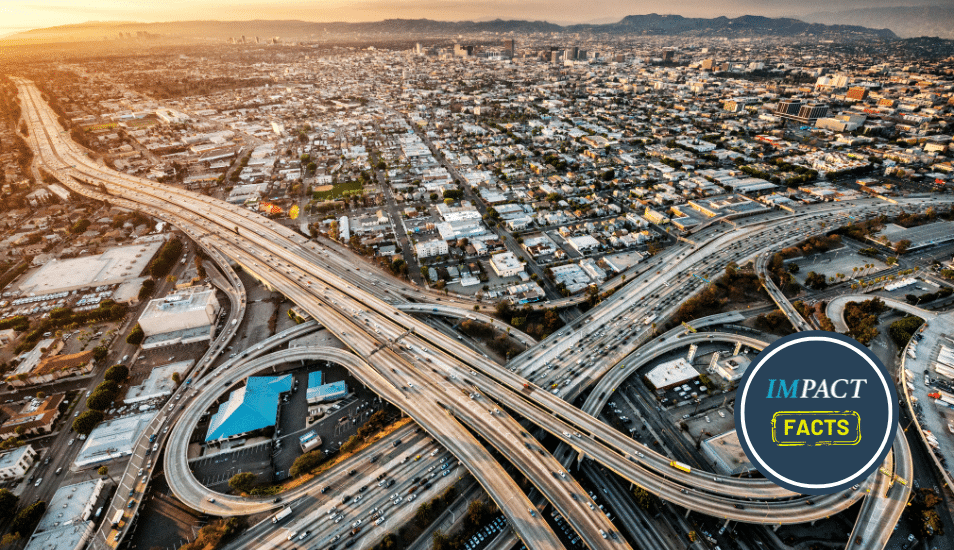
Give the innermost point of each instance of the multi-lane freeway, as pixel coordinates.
(447, 387)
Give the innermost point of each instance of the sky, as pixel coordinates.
(21, 15)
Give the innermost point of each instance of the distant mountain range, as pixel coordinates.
(651, 24)
(906, 21)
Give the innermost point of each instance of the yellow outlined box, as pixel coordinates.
(779, 418)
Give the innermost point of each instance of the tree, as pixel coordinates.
(176, 378)
(104, 471)
(243, 482)
(99, 400)
(26, 519)
(902, 246)
(8, 503)
(40, 395)
(117, 373)
(816, 281)
(136, 336)
(86, 422)
(147, 288)
(100, 353)
(306, 462)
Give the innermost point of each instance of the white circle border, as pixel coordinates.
(884, 383)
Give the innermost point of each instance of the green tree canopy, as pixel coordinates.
(243, 482)
(85, 422)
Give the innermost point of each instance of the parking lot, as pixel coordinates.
(215, 471)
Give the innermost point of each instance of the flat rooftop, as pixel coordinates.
(183, 301)
(920, 236)
(67, 521)
(727, 454)
(71, 504)
(116, 265)
(158, 384)
(112, 439)
(9, 458)
(671, 373)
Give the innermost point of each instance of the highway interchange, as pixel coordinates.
(445, 386)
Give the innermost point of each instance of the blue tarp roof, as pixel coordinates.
(250, 408)
(326, 392)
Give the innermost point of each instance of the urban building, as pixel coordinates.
(732, 368)
(187, 316)
(726, 453)
(252, 407)
(671, 374)
(15, 463)
(68, 523)
(114, 266)
(428, 249)
(36, 418)
(506, 264)
(112, 439)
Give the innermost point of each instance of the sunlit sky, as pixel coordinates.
(20, 15)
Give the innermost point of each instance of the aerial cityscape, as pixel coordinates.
(517, 261)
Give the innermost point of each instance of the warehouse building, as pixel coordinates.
(68, 523)
(112, 439)
(671, 374)
(185, 317)
(249, 408)
(726, 453)
(115, 266)
(506, 264)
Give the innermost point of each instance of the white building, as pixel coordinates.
(116, 265)
(506, 264)
(436, 247)
(68, 523)
(344, 229)
(583, 243)
(189, 308)
(14, 464)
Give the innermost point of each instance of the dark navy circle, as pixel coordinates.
(816, 412)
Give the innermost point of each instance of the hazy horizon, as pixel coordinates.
(23, 16)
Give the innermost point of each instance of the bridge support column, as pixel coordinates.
(688, 511)
(776, 526)
(715, 359)
(738, 348)
(692, 353)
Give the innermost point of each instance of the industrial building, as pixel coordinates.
(249, 408)
(726, 453)
(732, 368)
(671, 374)
(15, 463)
(68, 523)
(506, 264)
(158, 384)
(320, 392)
(184, 317)
(115, 266)
(112, 439)
(919, 237)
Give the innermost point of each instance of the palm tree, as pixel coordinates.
(104, 471)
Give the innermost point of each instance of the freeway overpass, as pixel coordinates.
(303, 272)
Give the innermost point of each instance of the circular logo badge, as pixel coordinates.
(816, 412)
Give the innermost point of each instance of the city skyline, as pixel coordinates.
(23, 16)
